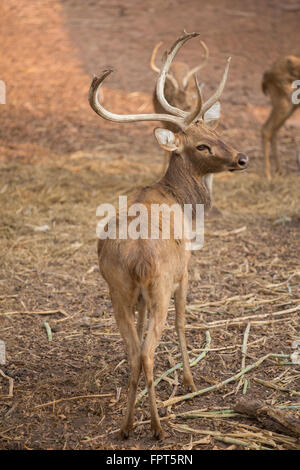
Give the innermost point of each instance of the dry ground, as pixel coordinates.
(59, 162)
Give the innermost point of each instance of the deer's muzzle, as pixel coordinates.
(242, 160)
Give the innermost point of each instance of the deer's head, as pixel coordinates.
(196, 139)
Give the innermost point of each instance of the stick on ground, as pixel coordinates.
(272, 418)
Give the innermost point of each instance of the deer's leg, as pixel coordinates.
(280, 112)
(158, 310)
(285, 109)
(275, 153)
(124, 315)
(180, 301)
(266, 136)
(142, 311)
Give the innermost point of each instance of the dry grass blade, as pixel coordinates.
(239, 320)
(244, 351)
(48, 330)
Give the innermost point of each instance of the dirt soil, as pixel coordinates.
(59, 161)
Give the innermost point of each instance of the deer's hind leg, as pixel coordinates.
(158, 299)
(284, 112)
(266, 134)
(180, 301)
(281, 111)
(124, 313)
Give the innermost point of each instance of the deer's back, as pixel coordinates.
(279, 78)
(141, 261)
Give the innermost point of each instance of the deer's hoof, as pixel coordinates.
(158, 433)
(188, 382)
(124, 433)
(191, 388)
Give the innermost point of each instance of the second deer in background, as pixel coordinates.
(180, 89)
(277, 83)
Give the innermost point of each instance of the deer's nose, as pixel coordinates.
(242, 160)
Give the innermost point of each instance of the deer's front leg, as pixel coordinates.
(180, 301)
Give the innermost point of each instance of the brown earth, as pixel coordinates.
(59, 161)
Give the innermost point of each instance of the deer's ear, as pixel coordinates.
(212, 116)
(167, 139)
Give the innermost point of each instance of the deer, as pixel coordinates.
(277, 83)
(142, 274)
(180, 91)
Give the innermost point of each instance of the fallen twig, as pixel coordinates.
(276, 387)
(54, 402)
(271, 417)
(229, 438)
(225, 233)
(188, 396)
(42, 312)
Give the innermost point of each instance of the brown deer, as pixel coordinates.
(277, 83)
(180, 91)
(143, 273)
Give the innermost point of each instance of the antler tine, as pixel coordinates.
(193, 115)
(153, 56)
(156, 69)
(163, 73)
(101, 111)
(214, 98)
(198, 67)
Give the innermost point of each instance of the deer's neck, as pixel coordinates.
(183, 184)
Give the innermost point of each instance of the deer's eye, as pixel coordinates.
(203, 147)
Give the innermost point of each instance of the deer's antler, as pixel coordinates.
(163, 73)
(198, 67)
(156, 69)
(101, 111)
(215, 97)
(175, 115)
